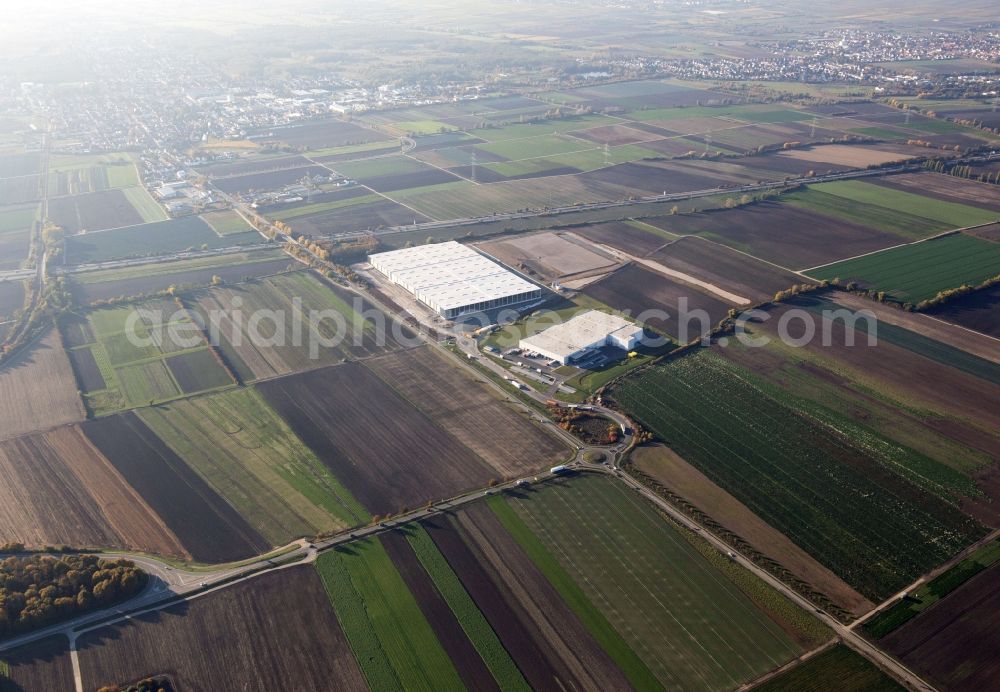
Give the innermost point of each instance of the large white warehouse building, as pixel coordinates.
(583, 333)
(453, 279)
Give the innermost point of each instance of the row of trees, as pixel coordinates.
(40, 590)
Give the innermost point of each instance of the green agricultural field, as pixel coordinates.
(926, 595)
(544, 127)
(474, 624)
(382, 166)
(666, 614)
(322, 207)
(247, 453)
(17, 218)
(235, 259)
(148, 208)
(906, 226)
(919, 271)
(391, 639)
(151, 239)
(950, 214)
(295, 307)
(535, 147)
(129, 362)
(226, 222)
(796, 469)
(838, 669)
(353, 149)
(880, 133)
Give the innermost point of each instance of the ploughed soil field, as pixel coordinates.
(319, 134)
(471, 412)
(789, 236)
(95, 211)
(267, 180)
(979, 311)
(356, 218)
(947, 188)
(38, 390)
(656, 300)
(250, 166)
(387, 453)
(726, 268)
(954, 642)
(96, 505)
(623, 236)
(209, 528)
(45, 665)
(273, 632)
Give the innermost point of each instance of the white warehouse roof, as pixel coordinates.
(450, 277)
(584, 332)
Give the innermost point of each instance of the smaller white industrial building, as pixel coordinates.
(453, 279)
(583, 333)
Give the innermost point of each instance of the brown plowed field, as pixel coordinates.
(469, 411)
(945, 187)
(57, 489)
(44, 666)
(550, 255)
(927, 326)
(926, 384)
(650, 179)
(722, 266)
(356, 218)
(38, 390)
(979, 311)
(274, 632)
(95, 211)
(850, 155)
(525, 644)
(637, 289)
(404, 181)
(442, 620)
(209, 528)
(387, 453)
(268, 180)
(780, 233)
(674, 473)
(322, 134)
(955, 642)
(87, 370)
(541, 607)
(622, 236)
(254, 165)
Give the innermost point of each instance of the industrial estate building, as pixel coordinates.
(585, 332)
(453, 279)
